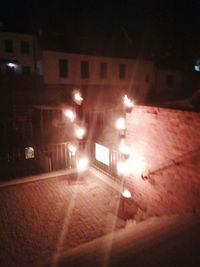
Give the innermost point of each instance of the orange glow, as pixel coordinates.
(82, 164)
(72, 149)
(122, 168)
(120, 124)
(70, 115)
(78, 99)
(127, 102)
(136, 165)
(123, 148)
(102, 154)
(126, 194)
(80, 132)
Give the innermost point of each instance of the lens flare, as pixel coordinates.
(82, 164)
(70, 115)
(120, 124)
(80, 132)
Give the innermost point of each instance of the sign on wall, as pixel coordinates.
(102, 154)
(29, 153)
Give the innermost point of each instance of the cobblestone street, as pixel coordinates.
(42, 218)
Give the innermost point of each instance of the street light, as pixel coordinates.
(120, 123)
(72, 149)
(123, 168)
(70, 114)
(82, 164)
(124, 149)
(128, 104)
(78, 99)
(80, 132)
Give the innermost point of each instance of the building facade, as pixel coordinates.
(19, 54)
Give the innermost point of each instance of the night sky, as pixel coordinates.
(165, 28)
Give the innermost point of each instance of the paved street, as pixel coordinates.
(41, 218)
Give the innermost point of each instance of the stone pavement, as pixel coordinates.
(42, 218)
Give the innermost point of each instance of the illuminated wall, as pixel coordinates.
(22, 59)
(139, 74)
(165, 146)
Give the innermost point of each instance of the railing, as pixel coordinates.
(52, 157)
(114, 157)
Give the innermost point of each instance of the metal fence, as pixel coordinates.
(52, 157)
(114, 157)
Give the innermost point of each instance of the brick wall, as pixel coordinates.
(165, 148)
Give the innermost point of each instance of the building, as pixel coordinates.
(39, 72)
(18, 54)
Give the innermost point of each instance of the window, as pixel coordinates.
(63, 68)
(8, 46)
(169, 81)
(122, 71)
(103, 71)
(25, 47)
(84, 70)
(26, 70)
(10, 70)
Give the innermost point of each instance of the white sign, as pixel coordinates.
(29, 153)
(102, 154)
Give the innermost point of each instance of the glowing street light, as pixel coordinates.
(122, 168)
(72, 149)
(70, 115)
(78, 99)
(11, 65)
(82, 164)
(128, 104)
(124, 149)
(126, 194)
(120, 124)
(80, 132)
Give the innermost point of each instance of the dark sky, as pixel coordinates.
(164, 26)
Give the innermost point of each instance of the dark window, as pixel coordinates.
(26, 70)
(8, 46)
(122, 71)
(25, 47)
(63, 68)
(84, 70)
(170, 81)
(10, 70)
(147, 77)
(103, 71)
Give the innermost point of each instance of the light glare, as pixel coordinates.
(128, 102)
(80, 132)
(82, 164)
(126, 194)
(122, 168)
(78, 98)
(70, 115)
(120, 124)
(11, 65)
(72, 149)
(123, 148)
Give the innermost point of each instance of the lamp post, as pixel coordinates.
(123, 166)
